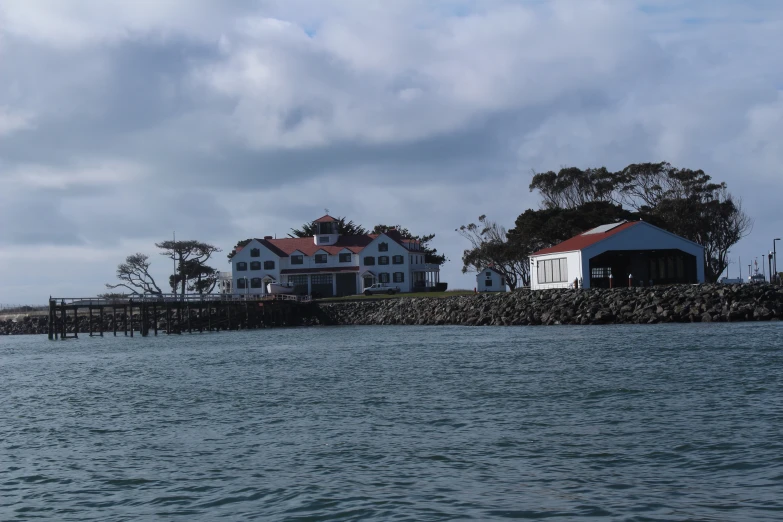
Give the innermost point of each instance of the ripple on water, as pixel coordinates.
(665, 422)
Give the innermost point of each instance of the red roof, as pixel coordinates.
(585, 239)
(325, 269)
(286, 246)
(325, 219)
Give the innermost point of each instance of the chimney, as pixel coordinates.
(267, 237)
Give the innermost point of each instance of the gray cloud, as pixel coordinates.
(120, 122)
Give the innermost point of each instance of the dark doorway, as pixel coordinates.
(346, 284)
(648, 267)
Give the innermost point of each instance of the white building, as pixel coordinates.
(329, 264)
(490, 280)
(611, 255)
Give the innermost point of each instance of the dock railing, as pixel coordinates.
(174, 298)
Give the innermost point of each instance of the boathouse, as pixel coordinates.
(632, 253)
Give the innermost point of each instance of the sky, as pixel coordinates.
(122, 122)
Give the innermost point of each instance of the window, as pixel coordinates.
(321, 279)
(269, 265)
(241, 267)
(383, 277)
(345, 258)
(488, 282)
(255, 282)
(399, 277)
(553, 271)
(324, 239)
(297, 259)
(297, 280)
(383, 260)
(383, 247)
(255, 265)
(600, 272)
(369, 260)
(320, 258)
(398, 260)
(241, 283)
(255, 252)
(488, 273)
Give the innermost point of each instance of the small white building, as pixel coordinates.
(329, 264)
(620, 254)
(490, 280)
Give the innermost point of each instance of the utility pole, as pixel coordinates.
(775, 254)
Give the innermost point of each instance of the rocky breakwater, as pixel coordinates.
(669, 304)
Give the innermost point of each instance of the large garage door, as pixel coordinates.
(321, 285)
(346, 284)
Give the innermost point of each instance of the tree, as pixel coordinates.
(199, 277)
(134, 274)
(431, 255)
(344, 228)
(572, 187)
(538, 229)
(191, 257)
(490, 248)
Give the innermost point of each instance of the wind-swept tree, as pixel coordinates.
(135, 275)
(191, 257)
(490, 247)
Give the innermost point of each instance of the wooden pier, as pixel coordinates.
(172, 314)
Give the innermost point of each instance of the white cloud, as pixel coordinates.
(13, 121)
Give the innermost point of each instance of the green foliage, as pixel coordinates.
(240, 244)
(192, 271)
(344, 228)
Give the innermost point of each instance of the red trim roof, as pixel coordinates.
(284, 247)
(325, 219)
(316, 270)
(585, 240)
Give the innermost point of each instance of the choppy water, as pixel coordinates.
(667, 422)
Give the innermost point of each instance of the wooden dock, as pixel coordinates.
(171, 314)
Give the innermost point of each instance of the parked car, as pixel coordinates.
(381, 288)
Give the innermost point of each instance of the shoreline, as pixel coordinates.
(650, 305)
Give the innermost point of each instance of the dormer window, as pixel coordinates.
(297, 259)
(320, 258)
(324, 239)
(383, 247)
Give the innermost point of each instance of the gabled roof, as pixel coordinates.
(284, 247)
(489, 268)
(325, 219)
(586, 239)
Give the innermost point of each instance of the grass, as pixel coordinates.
(428, 295)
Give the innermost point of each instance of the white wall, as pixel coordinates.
(244, 256)
(573, 265)
(395, 249)
(498, 281)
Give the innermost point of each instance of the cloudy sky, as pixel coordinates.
(122, 121)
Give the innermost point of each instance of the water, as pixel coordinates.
(666, 422)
